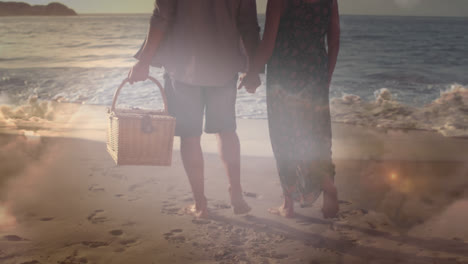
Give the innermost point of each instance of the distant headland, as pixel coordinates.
(24, 9)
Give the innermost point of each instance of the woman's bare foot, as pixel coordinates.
(240, 206)
(281, 211)
(197, 212)
(330, 206)
(285, 210)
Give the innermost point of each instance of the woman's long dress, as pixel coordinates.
(297, 100)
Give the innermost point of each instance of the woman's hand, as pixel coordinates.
(250, 81)
(139, 72)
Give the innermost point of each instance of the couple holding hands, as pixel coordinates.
(204, 44)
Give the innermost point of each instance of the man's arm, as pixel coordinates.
(162, 18)
(333, 39)
(249, 29)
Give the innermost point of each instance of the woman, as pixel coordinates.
(300, 43)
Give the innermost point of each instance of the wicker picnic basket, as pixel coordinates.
(140, 137)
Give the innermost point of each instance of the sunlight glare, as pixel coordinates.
(6, 219)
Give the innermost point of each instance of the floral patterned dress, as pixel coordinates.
(297, 100)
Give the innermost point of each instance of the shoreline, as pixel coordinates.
(90, 122)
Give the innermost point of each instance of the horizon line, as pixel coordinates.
(346, 14)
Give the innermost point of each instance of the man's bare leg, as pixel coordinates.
(192, 158)
(229, 150)
(330, 206)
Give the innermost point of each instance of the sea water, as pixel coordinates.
(405, 72)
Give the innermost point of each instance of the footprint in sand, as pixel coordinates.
(116, 232)
(133, 187)
(201, 221)
(343, 202)
(73, 259)
(119, 195)
(278, 255)
(117, 176)
(353, 212)
(250, 194)
(221, 206)
(170, 208)
(95, 244)
(174, 236)
(128, 242)
(134, 199)
(31, 262)
(95, 188)
(230, 254)
(129, 223)
(95, 219)
(46, 219)
(142, 184)
(14, 238)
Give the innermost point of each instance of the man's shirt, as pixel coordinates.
(204, 40)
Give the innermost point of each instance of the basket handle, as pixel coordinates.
(125, 81)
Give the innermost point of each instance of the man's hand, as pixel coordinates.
(250, 81)
(139, 72)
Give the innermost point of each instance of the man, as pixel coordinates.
(202, 45)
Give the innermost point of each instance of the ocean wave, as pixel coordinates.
(39, 113)
(421, 107)
(447, 115)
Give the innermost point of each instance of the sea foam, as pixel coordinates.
(448, 114)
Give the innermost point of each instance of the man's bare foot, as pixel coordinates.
(193, 210)
(240, 207)
(282, 211)
(330, 206)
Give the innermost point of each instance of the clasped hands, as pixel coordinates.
(140, 72)
(251, 81)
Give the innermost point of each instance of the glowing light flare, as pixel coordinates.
(393, 176)
(6, 219)
(31, 135)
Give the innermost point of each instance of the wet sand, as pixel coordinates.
(403, 198)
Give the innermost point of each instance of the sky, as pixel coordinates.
(367, 7)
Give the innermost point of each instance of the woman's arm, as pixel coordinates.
(265, 49)
(333, 40)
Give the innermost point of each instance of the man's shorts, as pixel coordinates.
(189, 103)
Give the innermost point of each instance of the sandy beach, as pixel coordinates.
(403, 199)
